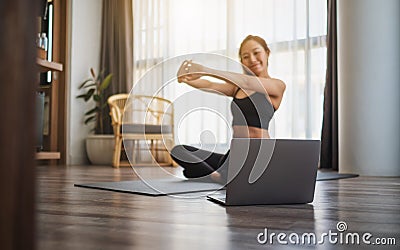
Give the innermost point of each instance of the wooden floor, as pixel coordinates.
(69, 217)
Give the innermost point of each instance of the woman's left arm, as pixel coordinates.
(270, 86)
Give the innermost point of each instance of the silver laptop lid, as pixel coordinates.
(272, 171)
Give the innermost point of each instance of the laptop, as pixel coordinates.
(270, 171)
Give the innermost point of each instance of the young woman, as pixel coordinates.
(256, 96)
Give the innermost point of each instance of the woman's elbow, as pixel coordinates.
(283, 86)
(279, 89)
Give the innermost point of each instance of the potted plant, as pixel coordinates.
(99, 147)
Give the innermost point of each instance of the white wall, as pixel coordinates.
(84, 44)
(369, 87)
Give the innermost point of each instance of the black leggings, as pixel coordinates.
(198, 162)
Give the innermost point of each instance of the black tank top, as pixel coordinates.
(254, 110)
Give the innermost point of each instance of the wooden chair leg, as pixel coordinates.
(117, 152)
(138, 153)
(153, 152)
(156, 151)
(133, 160)
(169, 158)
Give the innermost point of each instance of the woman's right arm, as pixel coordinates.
(226, 89)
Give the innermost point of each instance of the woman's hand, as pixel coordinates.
(190, 71)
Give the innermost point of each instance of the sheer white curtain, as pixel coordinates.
(149, 35)
(294, 29)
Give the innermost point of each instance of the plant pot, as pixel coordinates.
(100, 149)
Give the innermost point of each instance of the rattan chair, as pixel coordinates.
(145, 124)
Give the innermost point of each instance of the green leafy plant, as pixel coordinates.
(95, 85)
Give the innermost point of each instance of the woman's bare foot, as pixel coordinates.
(215, 176)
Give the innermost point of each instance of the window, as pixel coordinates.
(295, 30)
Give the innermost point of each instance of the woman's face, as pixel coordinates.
(254, 56)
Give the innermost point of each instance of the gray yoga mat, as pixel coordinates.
(159, 187)
(332, 175)
(156, 187)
